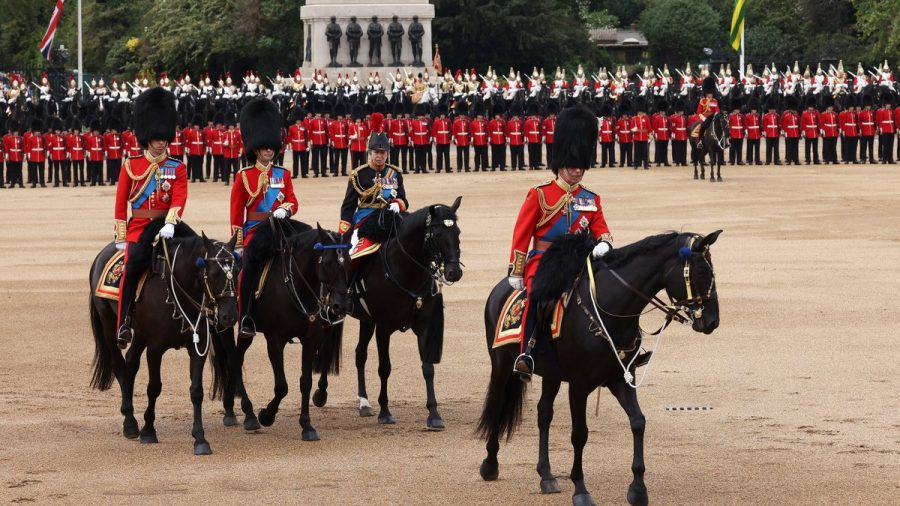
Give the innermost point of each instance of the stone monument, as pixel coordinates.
(335, 40)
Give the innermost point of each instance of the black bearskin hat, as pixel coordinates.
(13, 126)
(154, 116)
(260, 126)
(827, 101)
(357, 112)
(887, 99)
(606, 111)
(114, 124)
(736, 103)
(219, 118)
(680, 106)
(297, 114)
(230, 119)
(625, 108)
(867, 100)
(37, 125)
(533, 108)
(398, 109)
(811, 102)
(575, 139)
(55, 124)
(339, 110)
(515, 109)
(662, 106)
(95, 125)
(442, 109)
(709, 85)
(419, 110)
(791, 103)
(552, 107)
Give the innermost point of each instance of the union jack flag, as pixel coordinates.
(47, 41)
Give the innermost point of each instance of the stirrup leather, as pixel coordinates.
(124, 335)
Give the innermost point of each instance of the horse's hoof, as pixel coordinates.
(202, 449)
(550, 486)
(637, 496)
(309, 435)
(435, 423)
(489, 470)
(266, 418)
(703, 176)
(712, 179)
(696, 176)
(130, 430)
(320, 397)
(584, 499)
(719, 178)
(251, 423)
(149, 438)
(229, 420)
(366, 411)
(386, 419)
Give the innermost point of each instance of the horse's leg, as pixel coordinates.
(627, 397)
(201, 445)
(696, 175)
(720, 169)
(251, 422)
(549, 389)
(703, 166)
(434, 420)
(275, 346)
(366, 330)
(307, 431)
(230, 387)
(320, 396)
(125, 374)
(578, 395)
(154, 387)
(383, 341)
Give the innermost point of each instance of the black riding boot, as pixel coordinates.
(524, 366)
(249, 280)
(126, 296)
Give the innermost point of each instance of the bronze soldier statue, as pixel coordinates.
(375, 32)
(333, 34)
(416, 32)
(395, 36)
(354, 34)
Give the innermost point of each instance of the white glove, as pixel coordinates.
(394, 207)
(280, 213)
(239, 251)
(167, 231)
(516, 282)
(120, 245)
(601, 249)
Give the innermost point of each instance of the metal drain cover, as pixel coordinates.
(689, 408)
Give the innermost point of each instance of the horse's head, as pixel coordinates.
(333, 271)
(442, 239)
(691, 282)
(218, 265)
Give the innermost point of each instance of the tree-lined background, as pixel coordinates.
(124, 37)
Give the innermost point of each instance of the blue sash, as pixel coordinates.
(268, 199)
(390, 179)
(167, 170)
(563, 224)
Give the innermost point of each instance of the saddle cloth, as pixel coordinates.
(364, 247)
(111, 277)
(509, 326)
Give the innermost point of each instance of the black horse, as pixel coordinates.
(305, 294)
(187, 295)
(627, 280)
(399, 289)
(715, 142)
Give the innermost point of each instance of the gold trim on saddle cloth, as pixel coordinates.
(111, 277)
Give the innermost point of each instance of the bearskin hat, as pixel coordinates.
(850, 101)
(357, 112)
(606, 111)
(219, 118)
(791, 103)
(339, 110)
(94, 125)
(736, 103)
(230, 119)
(297, 114)
(154, 116)
(827, 101)
(76, 125)
(533, 108)
(13, 126)
(55, 124)
(37, 125)
(640, 105)
(442, 109)
(515, 109)
(709, 85)
(680, 106)
(625, 108)
(398, 109)
(552, 107)
(811, 102)
(114, 124)
(887, 99)
(662, 106)
(575, 139)
(867, 101)
(260, 126)
(462, 108)
(420, 110)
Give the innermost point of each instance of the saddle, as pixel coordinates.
(509, 326)
(111, 278)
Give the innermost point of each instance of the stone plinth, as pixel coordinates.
(316, 15)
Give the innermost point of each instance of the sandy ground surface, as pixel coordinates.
(801, 375)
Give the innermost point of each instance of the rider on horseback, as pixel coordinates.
(707, 107)
(372, 186)
(553, 210)
(260, 191)
(153, 186)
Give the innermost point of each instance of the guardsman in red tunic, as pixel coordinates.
(398, 132)
(828, 121)
(552, 210)
(112, 145)
(56, 149)
(193, 144)
(372, 186)
(260, 191)
(440, 132)
(640, 129)
(736, 133)
(151, 185)
(14, 148)
(660, 124)
(849, 130)
(547, 129)
(420, 132)
(771, 127)
(317, 129)
(358, 132)
(479, 128)
(707, 107)
(624, 134)
(232, 146)
(462, 137)
(340, 143)
(36, 153)
(678, 125)
(515, 132)
(533, 136)
(497, 134)
(809, 127)
(884, 119)
(299, 142)
(607, 136)
(867, 130)
(754, 132)
(176, 147)
(76, 150)
(216, 149)
(790, 125)
(93, 143)
(130, 144)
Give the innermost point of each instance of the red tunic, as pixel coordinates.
(866, 120)
(809, 124)
(678, 126)
(318, 131)
(398, 132)
(258, 191)
(75, 147)
(497, 129)
(607, 131)
(440, 131)
(56, 147)
(847, 122)
(14, 147)
(34, 148)
(549, 212)
(515, 131)
(232, 143)
(112, 143)
(130, 144)
(640, 126)
(176, 147)
(790, 124)
(297, 137)
(736, 125)
(660, 124)
(548, 128)
(193, 141)
(479, 132)
(771, 125)
(533, 130)
(885, 120)
(337, 133)
(419, 131)
(359, 136)
(707, 107)
(462, 131)
(829, 122)
(149, 186)
(751, 124)
(623, 130)
(214, 141)
(94, 146)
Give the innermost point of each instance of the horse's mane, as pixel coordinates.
(619, 256)
(265, 241)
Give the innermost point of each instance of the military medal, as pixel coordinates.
(166, 186)
(280, 197)
(165, 197)
(583, 222)
(276, 182)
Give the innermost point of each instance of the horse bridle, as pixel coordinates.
(693, 305)
(209, 297)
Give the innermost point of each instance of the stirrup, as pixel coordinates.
(642, 359)
(524, 367)
(248, 328)
(124, 336)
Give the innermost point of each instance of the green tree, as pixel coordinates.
(877, 20)
(678, 30)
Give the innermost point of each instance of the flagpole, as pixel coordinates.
(80, 51)
(742, 46)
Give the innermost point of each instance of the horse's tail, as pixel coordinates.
(433, 346)
(502, 412)
(218, 355)
(329, 356)
(102, 377)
